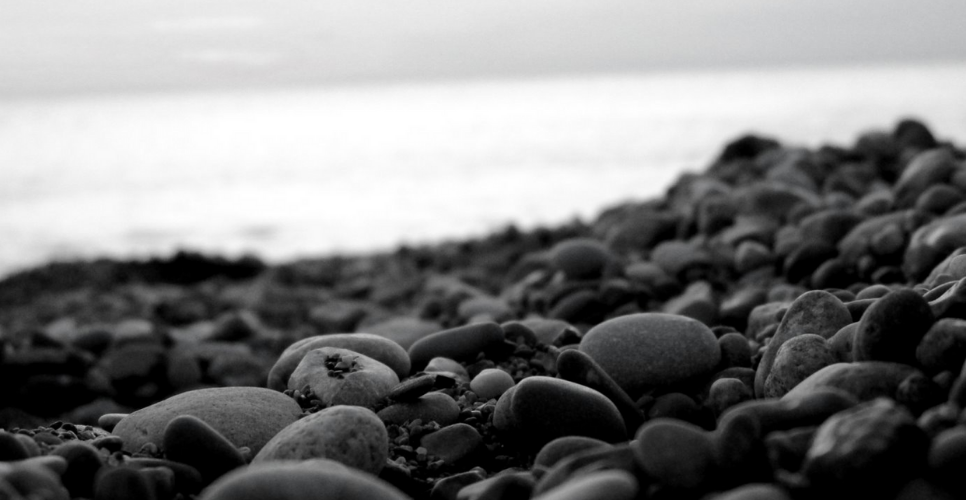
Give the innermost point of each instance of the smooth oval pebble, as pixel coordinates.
(798, 357)
(317, 479)
(191, 441)
(430, 407)
(892, 327)
(546, 408)
(453, 442)
(363, 384)
(376, 347)
(463, 342)
(675, 453)
(83, 463)
(107, 421)
(491, 383)
(11, 448)
(246, 416)
(563, 447)
(580, 258)
(652, 349)
(351, 435)
(618, 485)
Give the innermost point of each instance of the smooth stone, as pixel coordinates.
(189, 440)
(947, 458)
(351, 435)
(770, 415)
(579, 367)
(676, 256)
(363, 381)
(798, 357)
(123, 483)
(736, 308)
(619, 456)
(316, 479)
(404, 330)
(681, 407)
(504, 486)
(938, 199)
(952, 268)
(83, 463)
(431, 407)
(412, 388)
(926, 169)
(246, 416)
(932, 243)
(646, 350)
(841, 343)
(460, 343)
(108, 421)
(618, 485)
(453, 442)
(11, 448)
(379, 348)
(727, 392)
(765, 315)
(440, 364)
(817, 312)
(675, 453)
(757, 491)
(187, 479)
(491, 383)
(751, 255)
(858, 242)
(565, 446)
(943, 347)
(580, 258)
(546, 408)
(830, 225)
(735, 351)
(865, 380)
(503, 419)
(447, 488)
(857, 308)
(892, 327)
(492, 308)
(547, 330)
(697, 302)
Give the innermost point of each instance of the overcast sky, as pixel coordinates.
(53, 47)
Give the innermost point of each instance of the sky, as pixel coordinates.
(57, 47)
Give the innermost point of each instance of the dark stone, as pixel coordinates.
(83, 463)
(892, 327)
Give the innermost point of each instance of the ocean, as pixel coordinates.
(293, 172)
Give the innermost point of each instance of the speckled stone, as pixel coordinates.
(379, 348)
(546, 408)
(431, 407)
(363, 382)
(246, 416)
(652, 349)
(351, 435)
(317, 479)
(464, 342)
(797, 358)
(817, 312)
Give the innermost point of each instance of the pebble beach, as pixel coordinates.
(789, 323)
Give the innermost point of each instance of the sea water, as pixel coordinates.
(285, 173)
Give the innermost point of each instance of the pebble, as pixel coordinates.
(618, 485)
(187, 479)
(727, 392)
(565, 446)
(403, 330)
(189, 440)
(449, 487)
(735, 351)
(246, 416)
(509, 486)
(460, 343)
(351, 435)
(675, 453)
(651, 350)
(316, 479)
(580, 258)
(865, 380)
(816, 312)
(448, 367)
(412, 388)
(11, 448)
(892, 327)
(696, 302)
(926, 169)
(578, 367)
(798, 357)
(108, 421)
(342, 377)
(931, 243)
(374, 346)
(123, 483)
(491, 383)
(755, 491)
(943, 347)
(431, 407)
(83, 463)
(545, 408)
(453, 442)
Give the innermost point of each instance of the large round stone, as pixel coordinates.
(379, 348)
(316, 479)
(350, 435)
(652, 349)
(246, 416)
(545, 408)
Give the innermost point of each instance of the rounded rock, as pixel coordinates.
(317, 479)
(652, 349)
(431, 407)
(453, 442)
(943, 347)
(376, 347)
(351, 435)
(464, 342)
(618, 485)
(580, 258)
(864, 380)
(191, 441)
(546, 408)
(797, 358)
(83, 463)
(892, 327)
(342, 377)
(491, 383)
(122, 483)
(675, 453)
(246, 416)
(563, 447)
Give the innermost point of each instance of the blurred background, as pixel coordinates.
(131, 128)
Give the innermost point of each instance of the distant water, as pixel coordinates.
(287, 173)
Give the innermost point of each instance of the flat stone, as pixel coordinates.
(343, 377)
(431, 407)
(351, 435)
(316, 479)
(460, 343)
(379, 348)
(652, 349)
(246, 416)
(546, 408)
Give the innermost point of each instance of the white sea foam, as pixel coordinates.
(286, 173)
